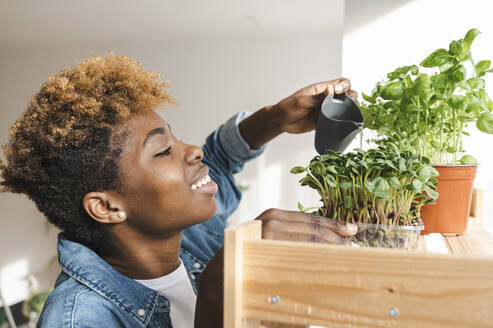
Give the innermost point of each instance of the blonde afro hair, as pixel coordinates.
(65, 144)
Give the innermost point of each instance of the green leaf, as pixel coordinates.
(331, 181)
(439, 81)
(395, 183)
(425, 173)
(317, 168)
(332, 169)
(421, 85)
(437, 58)
(468, 159)
(381, 194)
(301, 207)
(481, 67)
(371, 100)
(402, 165)
(435, 144)
(381, 184)
(457, 102)
(458, 74)
(370, 186)
(451, 150)
(455, 47)
(484, 122)
(308, 181)
(432, 193)
(392, 91)
(447, 65)
(344, 185)
(468, 39)
(297, 169)
(417, 185)
(402, 71)
(476, 83)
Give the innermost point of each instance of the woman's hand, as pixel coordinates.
(298, 113)
(307, 227)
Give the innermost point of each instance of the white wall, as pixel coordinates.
(212, 78)
(406, 36)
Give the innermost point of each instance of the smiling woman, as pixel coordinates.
(142, 213)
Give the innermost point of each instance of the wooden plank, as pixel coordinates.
(338, 286)
(476, 210)
(476, 241)
(421, 244)
(234, 239)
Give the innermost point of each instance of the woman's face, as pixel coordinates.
(166, 187)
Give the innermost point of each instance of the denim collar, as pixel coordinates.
(85, 266)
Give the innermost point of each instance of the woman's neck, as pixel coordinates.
(143, 258)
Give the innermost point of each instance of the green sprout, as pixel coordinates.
(387, 185)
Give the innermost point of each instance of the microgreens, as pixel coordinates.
(430, 113)
(386, 185)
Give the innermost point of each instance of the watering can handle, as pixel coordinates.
(340, 96)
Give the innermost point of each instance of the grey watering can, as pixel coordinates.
(338, 123)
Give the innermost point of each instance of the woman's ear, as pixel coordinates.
(104, 207)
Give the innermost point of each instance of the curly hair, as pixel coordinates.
(67, 142)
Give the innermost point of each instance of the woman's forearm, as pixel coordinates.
(261, 127)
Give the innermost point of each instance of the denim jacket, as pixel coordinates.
(90, 293)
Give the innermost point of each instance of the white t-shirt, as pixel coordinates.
(178, 290)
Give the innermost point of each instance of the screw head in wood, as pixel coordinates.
(274, 299)
(393, 312)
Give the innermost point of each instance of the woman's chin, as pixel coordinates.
(208, 211)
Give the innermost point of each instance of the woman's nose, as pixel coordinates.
(193, 154)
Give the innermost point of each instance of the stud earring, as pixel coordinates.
(121, 214)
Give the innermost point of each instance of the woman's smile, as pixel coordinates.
(203, 182)
(205, 185)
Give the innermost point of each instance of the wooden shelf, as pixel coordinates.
(338, 286)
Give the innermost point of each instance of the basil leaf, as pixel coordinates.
(484, 122)
(456, 47)
(371, 100)
(468, 39)
(476, 83)
(421, 85)
(437, 58)
(392, 91)
(481, 67)
(468, 159)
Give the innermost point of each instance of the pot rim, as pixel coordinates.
(457, 165)
(419, 227)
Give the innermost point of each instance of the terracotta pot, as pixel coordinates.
(450, 213)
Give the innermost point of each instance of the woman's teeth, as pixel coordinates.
(205, 180)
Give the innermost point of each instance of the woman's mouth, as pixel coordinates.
(205, 185)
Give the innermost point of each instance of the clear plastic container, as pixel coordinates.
(388, 236)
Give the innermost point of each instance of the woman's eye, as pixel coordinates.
(164, 153)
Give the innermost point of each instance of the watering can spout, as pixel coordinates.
(338, 123)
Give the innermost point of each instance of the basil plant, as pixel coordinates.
(386, 185)
(429, 111)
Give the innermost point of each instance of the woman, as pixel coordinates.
(141, 213)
